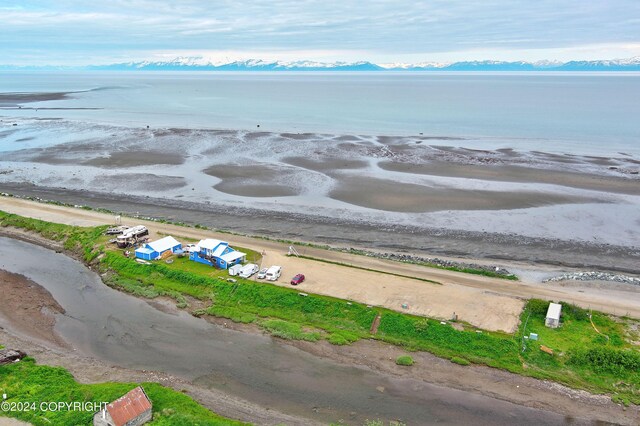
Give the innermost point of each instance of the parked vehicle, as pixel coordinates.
(117, 230)
(274, 273)
(298, 279)
(131, 236)
(248, 270)
(262, 273)
(235, 269)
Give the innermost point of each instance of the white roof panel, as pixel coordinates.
(221, 248)
(554, 310)
(234, 255)
(144, 250)
(210, 243)
(163, 244)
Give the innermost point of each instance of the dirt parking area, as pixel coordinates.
(478, 307)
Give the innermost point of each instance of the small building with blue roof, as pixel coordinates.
(216, 253)
(155, 249)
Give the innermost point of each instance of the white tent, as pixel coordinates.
(163, 244)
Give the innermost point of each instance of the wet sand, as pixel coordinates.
(28, 307)
(15, 99)
(388, 195)
(326, 164)
(253, 180)
(137, 182)
(135, 158)
(505, 173)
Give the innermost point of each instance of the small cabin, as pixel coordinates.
(553, 315)
(159, 248)
(132, 409)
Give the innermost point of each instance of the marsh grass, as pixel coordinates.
(404, 360)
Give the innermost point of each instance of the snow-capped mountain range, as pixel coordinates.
(202, 64)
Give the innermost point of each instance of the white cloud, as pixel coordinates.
(73, 31)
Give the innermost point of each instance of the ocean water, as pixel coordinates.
(579, 113)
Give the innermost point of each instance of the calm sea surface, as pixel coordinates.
(582, 113)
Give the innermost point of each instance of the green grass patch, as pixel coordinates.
(289, 331)
(473, 271)
(599, 361)
(405, 360)
(79, 240)
(460, 361)
(234, 314)
(26, 381)
(342, 337)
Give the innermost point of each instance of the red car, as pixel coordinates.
(297, 279)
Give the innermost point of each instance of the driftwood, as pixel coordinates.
(7, 356)
(546, 349)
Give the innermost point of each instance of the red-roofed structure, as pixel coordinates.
(132, 409)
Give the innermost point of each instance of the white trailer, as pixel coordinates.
(249, 270)
(274, 273)
(235, 269)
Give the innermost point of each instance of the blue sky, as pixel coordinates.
(97, 32)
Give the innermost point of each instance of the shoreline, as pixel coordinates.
(377, 356)
(614, 301)
(497, 248)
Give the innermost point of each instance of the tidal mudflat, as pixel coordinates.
(395, 183)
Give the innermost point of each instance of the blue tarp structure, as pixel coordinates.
(146, 253)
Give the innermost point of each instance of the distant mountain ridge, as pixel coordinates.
(200, 64)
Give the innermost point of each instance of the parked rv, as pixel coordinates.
(235, 269)
(117, 230)
(248, 270)
(131, 236)
(274, 273)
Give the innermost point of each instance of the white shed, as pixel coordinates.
(553, 315)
